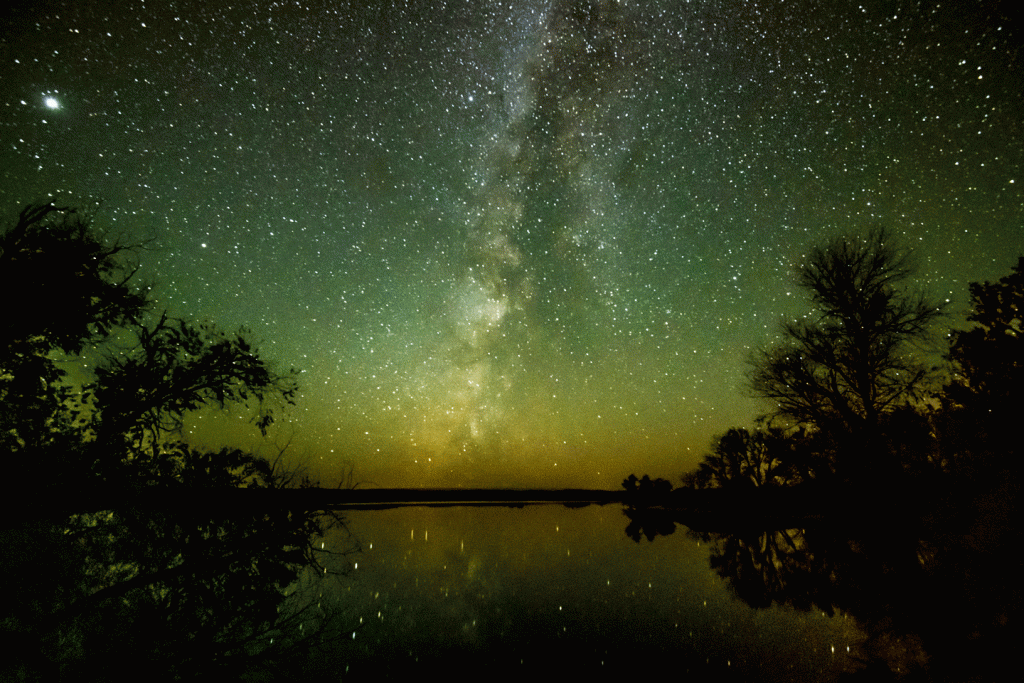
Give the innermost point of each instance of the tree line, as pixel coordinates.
(857, 397)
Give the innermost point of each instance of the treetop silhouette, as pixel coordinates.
(81, 284)
(856, 357)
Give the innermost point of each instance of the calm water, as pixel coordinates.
(548, 589)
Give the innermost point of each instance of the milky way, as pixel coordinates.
(535, 279)
(518, 243)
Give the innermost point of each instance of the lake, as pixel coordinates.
(546, 590)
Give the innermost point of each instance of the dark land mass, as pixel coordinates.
(704, 509)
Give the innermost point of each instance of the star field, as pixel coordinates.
(523, 243)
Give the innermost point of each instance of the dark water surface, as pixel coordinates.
(546, 590)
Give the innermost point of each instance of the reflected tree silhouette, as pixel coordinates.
(876, 575)
(648, 505)
(932, 601)
(649, 523)
(771, 567)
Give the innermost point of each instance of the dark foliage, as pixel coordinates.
(899, 500)
(857, 358)
(859, 406)
(65, 285)
(645, 489)
(989, 357)
(982, 403)
(648, 522)
(645, 499)
(769, 456)
(159, 558)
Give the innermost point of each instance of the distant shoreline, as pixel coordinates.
(701, 509)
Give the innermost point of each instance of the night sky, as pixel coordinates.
(520, 243)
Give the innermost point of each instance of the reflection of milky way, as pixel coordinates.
(544, 213)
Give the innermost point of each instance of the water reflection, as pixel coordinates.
(551, 590)
(932, 602)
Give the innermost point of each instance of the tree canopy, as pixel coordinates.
(981, 403)
(988, 358)
(853, 359)
(81, 283)
(858, 357)
(768, 456)
(852, 394)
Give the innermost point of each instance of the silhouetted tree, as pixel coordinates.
(65, 287)
(982, 403)
(164, 555)
(645, 500)
(766, 457)
(989, 357)
(646, 490)
(856, 357)
(974, 526)
(848, 376)
(65, 284)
